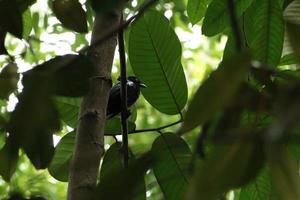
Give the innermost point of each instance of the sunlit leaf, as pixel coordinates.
(60, 164)
(9, 78)
(285, 172)
(71, 14)
(27, 23)
(173, 158)
(196, 9)
(217, 15)
(155, 56)
(227, 167)
(216, 92)
(11, 18)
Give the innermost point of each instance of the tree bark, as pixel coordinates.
(89, 146)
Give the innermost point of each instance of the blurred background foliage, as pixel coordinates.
(44, 38)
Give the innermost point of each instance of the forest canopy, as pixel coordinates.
(148, 99)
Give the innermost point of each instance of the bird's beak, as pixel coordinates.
(142, 85)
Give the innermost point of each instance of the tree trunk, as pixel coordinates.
(89, 146)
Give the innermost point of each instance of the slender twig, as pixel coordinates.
(235, 25)
(124, 109)
(156, 129)
(122, 26)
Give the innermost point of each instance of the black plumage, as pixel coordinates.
(133, 92)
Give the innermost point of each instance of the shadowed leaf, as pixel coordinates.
(71, 14)
(9, 78)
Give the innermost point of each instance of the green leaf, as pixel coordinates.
(9, 78)
(172, 160)
(196, 10)
(259, 189)
(9, 156)
(216, 92)
(289, 59)
(113, 126)
(68, 109)
(71, 14)
(268, 31)
(11, 18)
(155, 56)
(122, 184)
(67, 75)
(27, 23)
(285, 172)
(60, 164)
(217, 15)
(227, 167)
(113, 163)
(33, 122)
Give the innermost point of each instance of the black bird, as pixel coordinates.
(133, 92)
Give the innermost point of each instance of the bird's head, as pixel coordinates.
(135, 80)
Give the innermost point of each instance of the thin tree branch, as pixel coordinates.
(156, 129)
(235, 25)
(124, 109)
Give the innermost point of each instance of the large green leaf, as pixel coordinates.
(155, 56)
(217, 15)
(11, 18)
(285, 172)
(227, 167)
(59, 166)
(33, 122)
(9, 78)
(216, 92)
(71, 15)
(172, 160)
(268, 32)
(196, 9)
(113, 162)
